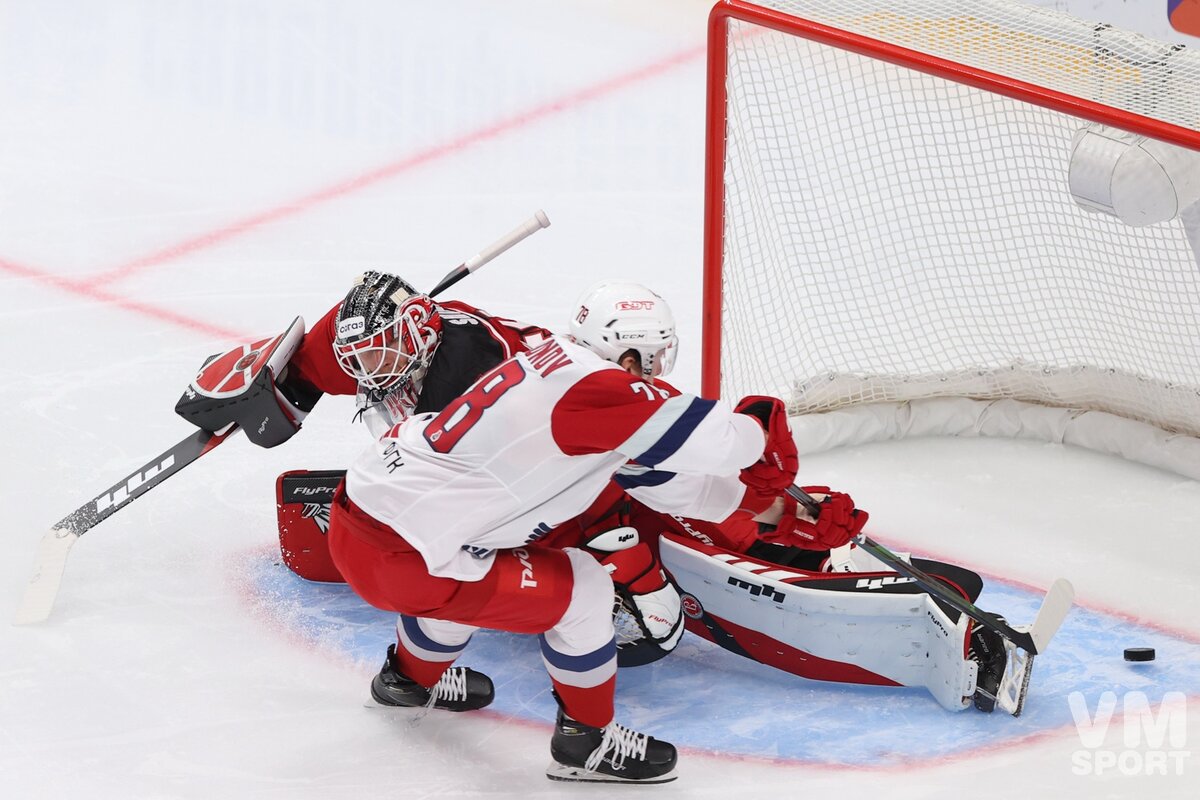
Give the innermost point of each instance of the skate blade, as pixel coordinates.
(562, 772)
(372, 703)
(1014, 686)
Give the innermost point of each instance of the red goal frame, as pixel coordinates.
(714, 195)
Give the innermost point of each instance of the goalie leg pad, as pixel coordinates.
(302, 502)
(822, 626)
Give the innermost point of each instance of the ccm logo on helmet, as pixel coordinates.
(350, 327)
(634, 305)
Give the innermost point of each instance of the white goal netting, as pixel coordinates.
(891, 236)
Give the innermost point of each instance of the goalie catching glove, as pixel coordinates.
(648, 613)
(244, 387)
(838, 522)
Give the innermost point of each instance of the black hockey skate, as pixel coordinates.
(460, 689)
(987, 650)
(613, 754)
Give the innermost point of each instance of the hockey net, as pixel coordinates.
(937, 199)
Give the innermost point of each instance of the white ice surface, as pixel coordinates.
(222, 166)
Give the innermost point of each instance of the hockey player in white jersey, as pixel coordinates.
(624, 536)
(440, 522)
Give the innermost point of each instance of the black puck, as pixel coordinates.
(1139, 653)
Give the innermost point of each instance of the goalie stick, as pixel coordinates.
(56, 542)
(51, 559)
(530, 226)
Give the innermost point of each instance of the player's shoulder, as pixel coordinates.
(593, 380)
(668, 388)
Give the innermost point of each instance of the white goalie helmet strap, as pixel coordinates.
(613, 317)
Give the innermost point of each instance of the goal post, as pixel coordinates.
(960, 218)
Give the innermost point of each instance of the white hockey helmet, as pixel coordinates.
(614, 317)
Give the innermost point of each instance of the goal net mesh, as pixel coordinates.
(892, 235)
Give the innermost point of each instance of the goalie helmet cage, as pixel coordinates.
(954, 217)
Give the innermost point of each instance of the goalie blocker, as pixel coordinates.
(243, 387)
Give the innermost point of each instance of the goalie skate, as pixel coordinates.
(1014, 685)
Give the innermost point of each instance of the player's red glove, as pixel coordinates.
(777, 470)
(838, 522)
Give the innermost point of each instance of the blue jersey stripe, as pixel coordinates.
(674, 437)
(583, 663)
(637, 480)
(412, 629)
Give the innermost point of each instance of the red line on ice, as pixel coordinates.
(388, 171)
(94, 286)
(101, 295)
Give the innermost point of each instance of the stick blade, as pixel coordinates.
(1014, 687)
(1050, 616)
(42, 590)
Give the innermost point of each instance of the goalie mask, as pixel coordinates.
(386, 333)
(614, 317)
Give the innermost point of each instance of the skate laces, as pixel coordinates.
(452, 686)
(622, 742)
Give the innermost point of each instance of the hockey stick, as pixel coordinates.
(525, 229)
(1050, 616)
(56, 543)
(51, 559)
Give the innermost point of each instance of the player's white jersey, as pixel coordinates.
(530, 445)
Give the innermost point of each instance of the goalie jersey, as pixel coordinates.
(531, 444)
